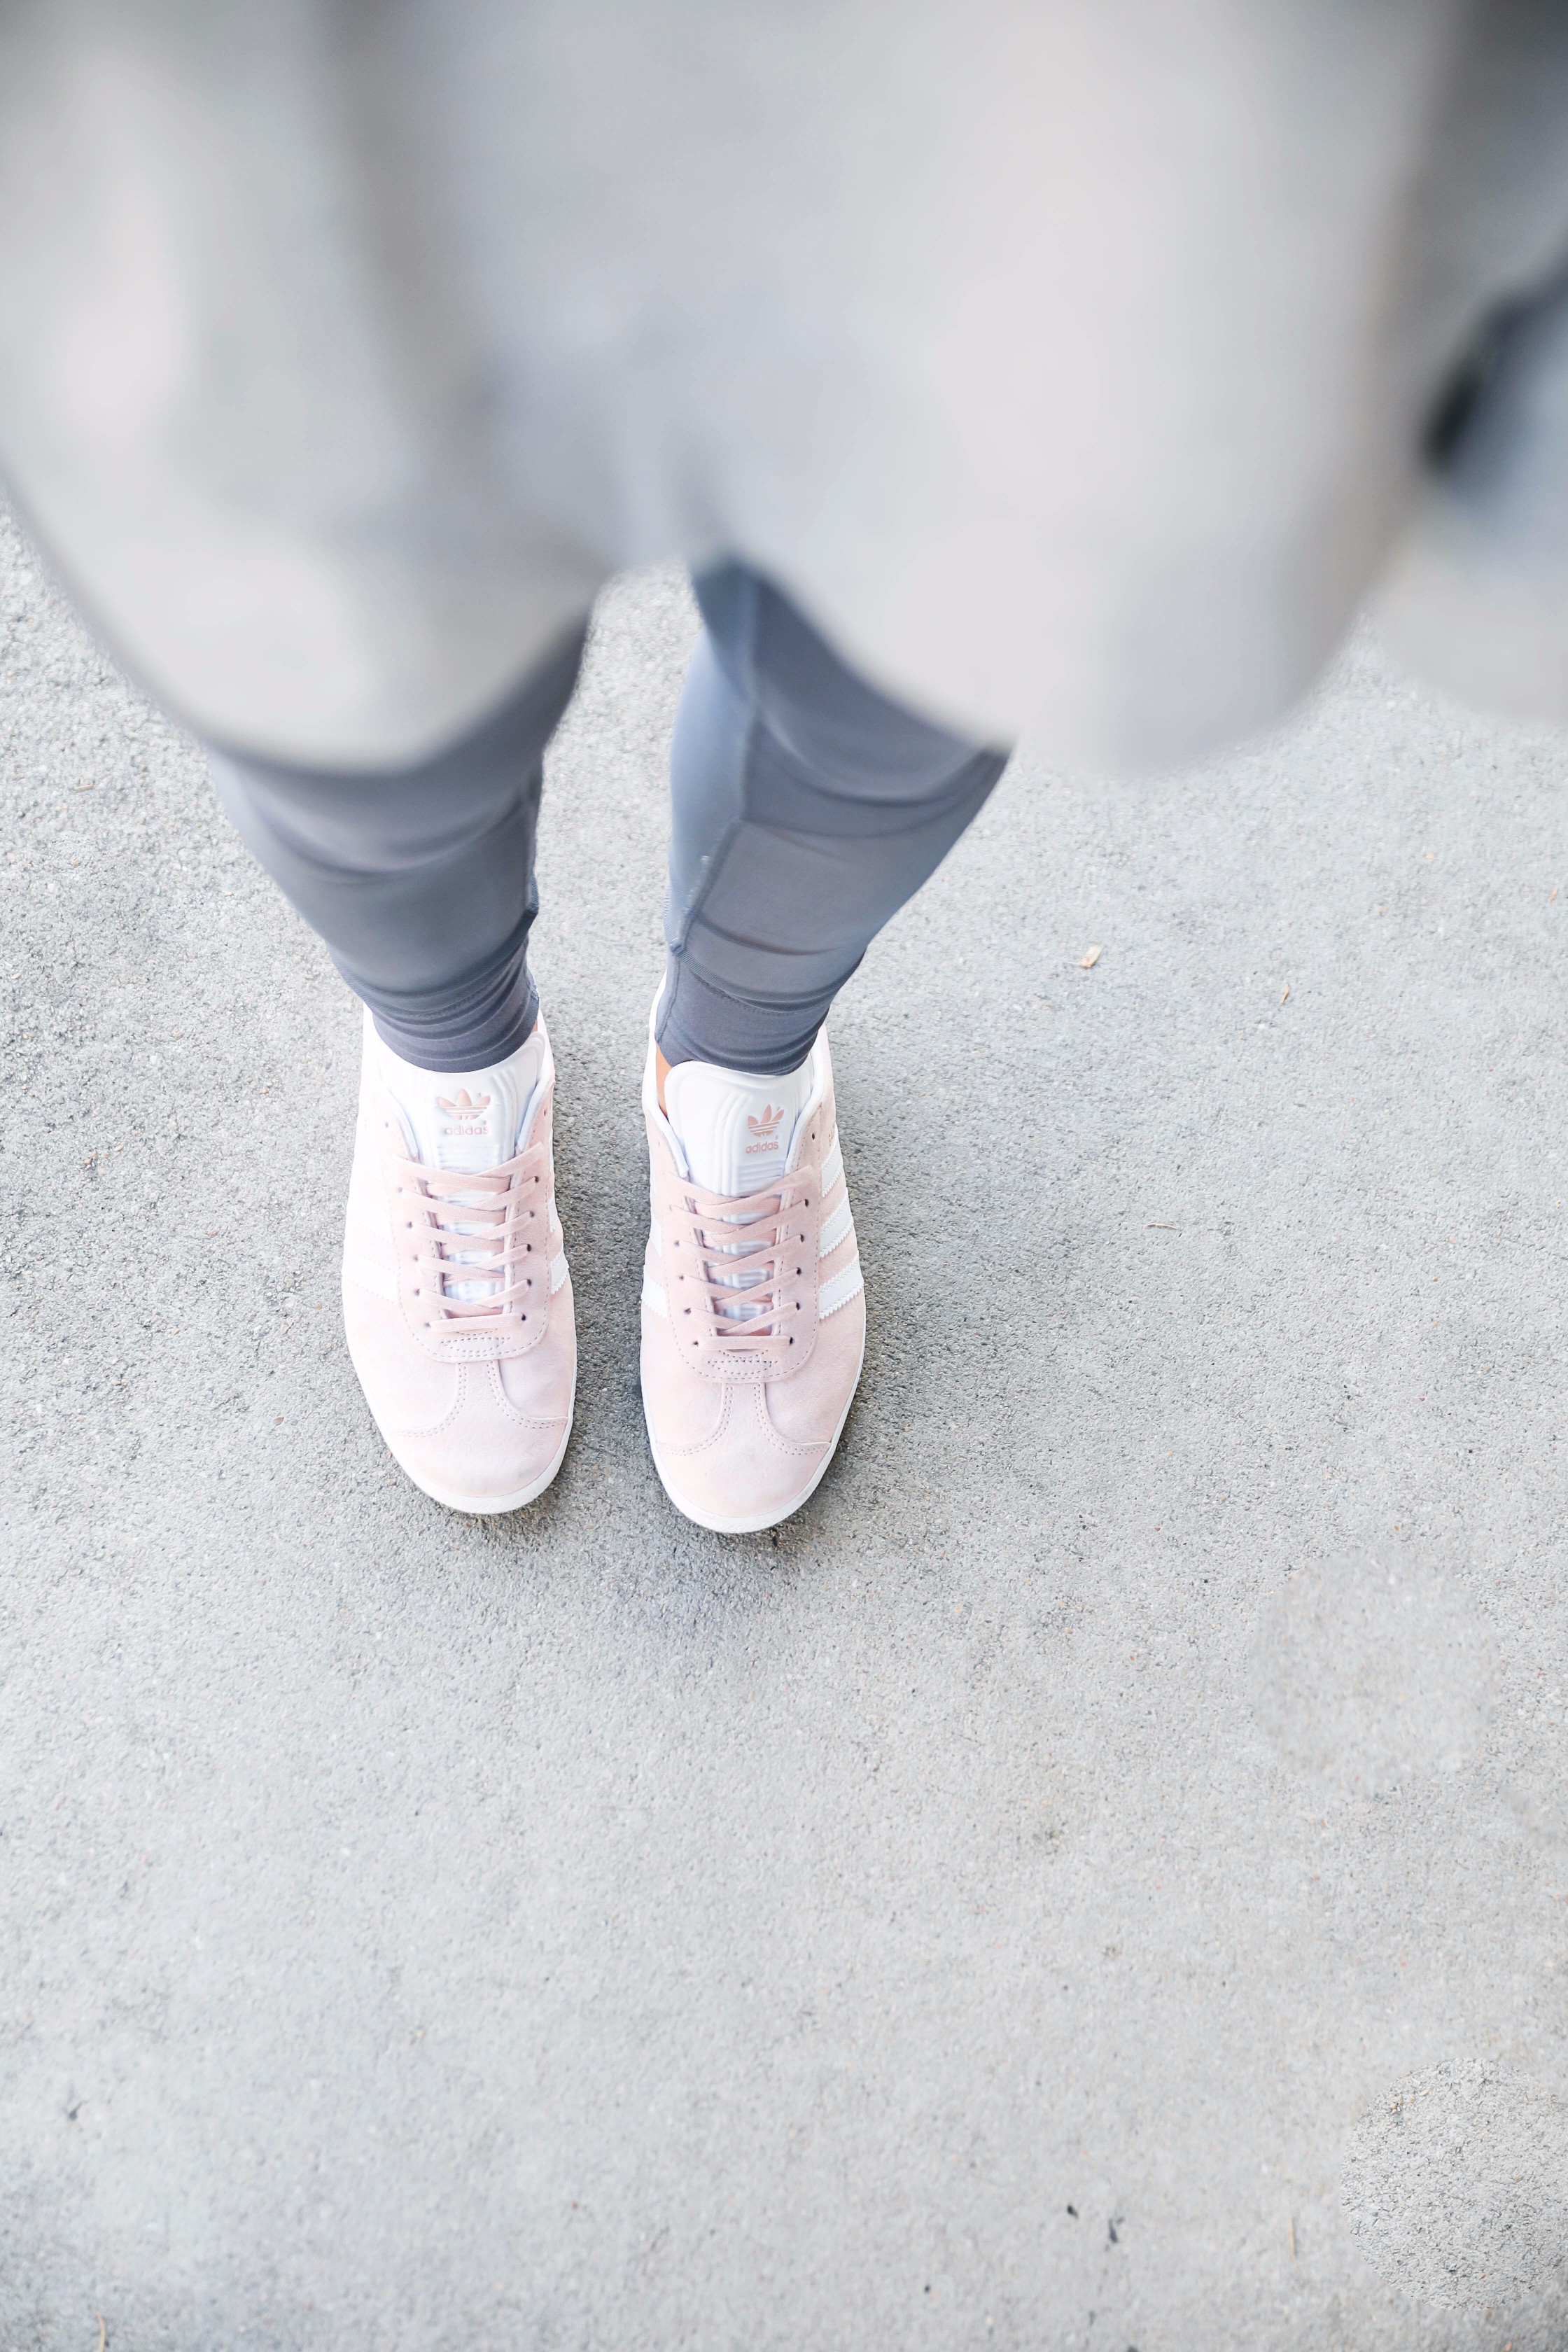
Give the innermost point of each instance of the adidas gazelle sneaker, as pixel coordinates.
(754, 1311)
(457, 1299)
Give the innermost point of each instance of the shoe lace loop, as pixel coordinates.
(745, 1254)
(484, 1244)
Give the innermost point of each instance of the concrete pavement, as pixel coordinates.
(1097, 1878)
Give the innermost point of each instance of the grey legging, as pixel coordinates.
(808, 808)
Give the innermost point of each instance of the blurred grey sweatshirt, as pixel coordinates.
(1079, 366)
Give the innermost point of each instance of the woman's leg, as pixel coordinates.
(807, 809)
(457, 1299)
(420, 880)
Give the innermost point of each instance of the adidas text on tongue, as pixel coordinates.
(463, 1110)
(473, 1119)
(766, 1130)
(737, 1130)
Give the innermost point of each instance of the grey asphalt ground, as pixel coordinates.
(1097, 1878)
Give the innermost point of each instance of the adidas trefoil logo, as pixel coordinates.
(765, 1130)
(465, 1107)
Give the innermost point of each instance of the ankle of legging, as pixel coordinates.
(697, 1021)
(468, 1027)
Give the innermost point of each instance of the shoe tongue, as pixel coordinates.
(736, 1131)
(468, 1119)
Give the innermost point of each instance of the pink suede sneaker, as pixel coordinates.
(754, 1312)
(455, 1295)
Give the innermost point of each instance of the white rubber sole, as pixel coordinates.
(754, 1526)
(481, 1506)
